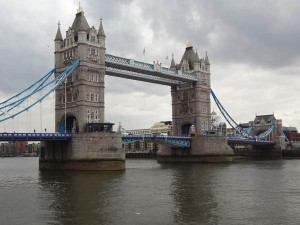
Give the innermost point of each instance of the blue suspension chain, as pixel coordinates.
(59, 80)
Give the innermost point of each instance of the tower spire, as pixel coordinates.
(173, 66)
(58, 36)
(206, 59)
(101, 30)
(197, 59)
(80, 9)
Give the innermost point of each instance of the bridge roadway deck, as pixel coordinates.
(34, 136)
(185, 141)
(177, 140)
(233, 140)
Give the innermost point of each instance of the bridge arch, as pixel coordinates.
(71, 124)
(185, 129)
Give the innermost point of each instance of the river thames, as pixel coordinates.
(256, 192)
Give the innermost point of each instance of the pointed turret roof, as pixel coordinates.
(206, 60)
(80, 23)
(58, 36)
(173, 65)
(188, 55)
(101, 30)
(197, 59)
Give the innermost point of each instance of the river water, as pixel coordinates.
(256, 192)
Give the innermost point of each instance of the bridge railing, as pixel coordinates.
(34, 136)
(181, 141)
(252, 141)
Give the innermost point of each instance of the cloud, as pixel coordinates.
(252, 46)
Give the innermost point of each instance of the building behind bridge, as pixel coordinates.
(159, 128)
(292, 134)
(19, 148)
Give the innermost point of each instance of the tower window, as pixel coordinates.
(88, 115)
(93, 38)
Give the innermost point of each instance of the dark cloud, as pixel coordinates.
(260, 32)
(251, 45)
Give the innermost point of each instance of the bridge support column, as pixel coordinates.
(86, 151)
(203, 149)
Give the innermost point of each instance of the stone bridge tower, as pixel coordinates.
(262, 123)
(79, 105)
(191, 101)
(85, 87)
(191, 113)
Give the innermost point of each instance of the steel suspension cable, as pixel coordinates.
(63, 76)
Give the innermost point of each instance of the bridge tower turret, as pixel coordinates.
(58, 45)
(83, 101)
(191, 101)
(173, 65)
(207, 63)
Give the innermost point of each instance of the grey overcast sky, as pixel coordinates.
(253, 47)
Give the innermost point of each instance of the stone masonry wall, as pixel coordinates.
(97, 146)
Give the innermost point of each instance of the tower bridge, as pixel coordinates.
(81, 63)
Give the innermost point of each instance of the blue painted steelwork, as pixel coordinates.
(57, 81)
(266, 133)
(286, 139)
(185, 142)
(228, 118)
(249, 130)
(18, 102)
(43, 79)
(180, 141)
(34, 137)
(234, 140)
(245, 134)
(136, 70)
